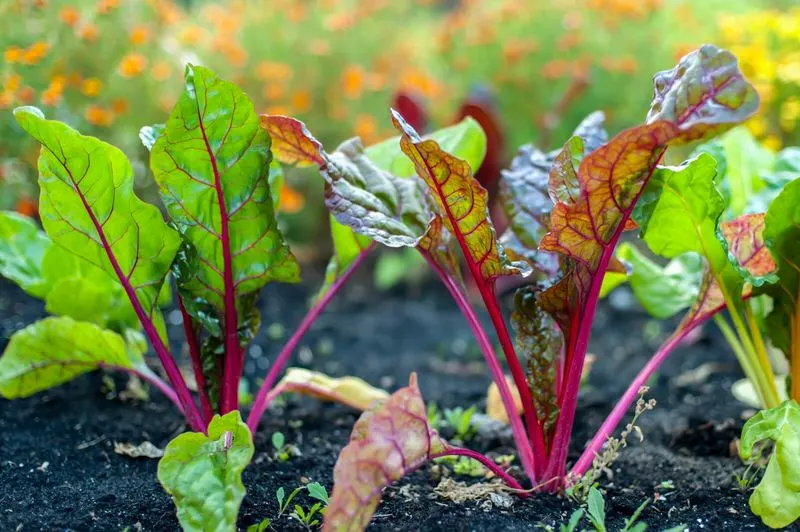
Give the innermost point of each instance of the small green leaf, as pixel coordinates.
(465, 140)
(777, 497)
(56, 350)
(22, 248)
(203, 474)
(597, 509)
(347, 246)
(280, 494)
(318, 491)
(278, 440)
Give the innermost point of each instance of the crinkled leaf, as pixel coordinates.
(440, 246)
(782, 235)
(347, 246)
(465, 140)
(526, 198)
(703, 95)
(663, 291)
(776, 499)
(461, 203)
(203, 474)
(387, 442)
(56, 350)
(22, 248)
(88, 207)
(211, 164)
(539, 342)
(351, 391)
(358, 194)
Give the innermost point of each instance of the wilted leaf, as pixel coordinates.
(87, 206)
(461, 203)
(351, 391)
(211, 165)
(371, 201)
(56, 350)
(776, 499)
(22, 248)
(387, 443)
(494, 402)
(144, 450)
(203, 474)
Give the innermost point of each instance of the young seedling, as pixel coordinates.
(460, 420)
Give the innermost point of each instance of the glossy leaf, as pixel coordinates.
(776, 499)
(56, 350)
(203, 474)
(22, 248)
(351, 391)
(782, 234)
(539, 342)
(526, 198)
(87, 206)
(387, 442)
(211, 165)
(465, 140)
(461, 203)
(371, 201)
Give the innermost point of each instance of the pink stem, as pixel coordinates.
(264, 397)
(485, 462)
(517, 429)
(149, 377)
(197, 363)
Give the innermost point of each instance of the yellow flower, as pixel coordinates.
(91, 87)
(191, 35)
(36, 53)
(12, 83)
(13, 54)
(353, 81)
(139, 35)
(6, 99)
(772, 142)
(132, 65)
(274, 71)
(366, 128)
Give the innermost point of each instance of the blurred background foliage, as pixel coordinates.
(108, 67)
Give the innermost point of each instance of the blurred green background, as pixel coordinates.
(108, 67)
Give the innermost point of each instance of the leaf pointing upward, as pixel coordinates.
(211, 164)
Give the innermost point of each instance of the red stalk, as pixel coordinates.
(518, 430)
(197, 364)
(576, 353)
(485, 462)
(232, 365)
(188, 406)
(265, 397)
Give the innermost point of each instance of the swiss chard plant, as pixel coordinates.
(567, 211)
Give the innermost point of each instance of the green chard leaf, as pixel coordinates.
(388, 441)
(88, 207)
(776, 499)
(347, 247)
(361, 196)
(782, 235)
(465, 140)
(203, 474)
(22, 249)
(56, 350)
(211, 164)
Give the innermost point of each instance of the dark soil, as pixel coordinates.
(58, 470)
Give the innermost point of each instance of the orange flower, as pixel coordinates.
(36, 53)
(119, 106)
(274, 71)
(13, 54)
(296, 13)
(273, 91)
(91, 87)
(161, 71)
(132, 65)
(191, 35)
(340, 21)
(26, 94)
(6, 99)
(301, 101)
(554, 69)
(277, 110)
(353, 81)
(291, 201)
(51, 97)
(366, 128)
(98, 116)
(139, 35)
(27, 207)
(69, 16)
(73, 79)
(12, 83)
(514, 50)
(319, 47)
(89, 32)
(105, 7)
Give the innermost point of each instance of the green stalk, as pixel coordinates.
(741, 355)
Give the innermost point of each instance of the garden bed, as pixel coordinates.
(59, 470)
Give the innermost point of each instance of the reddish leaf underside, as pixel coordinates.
(292, 143)
(387, 442)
